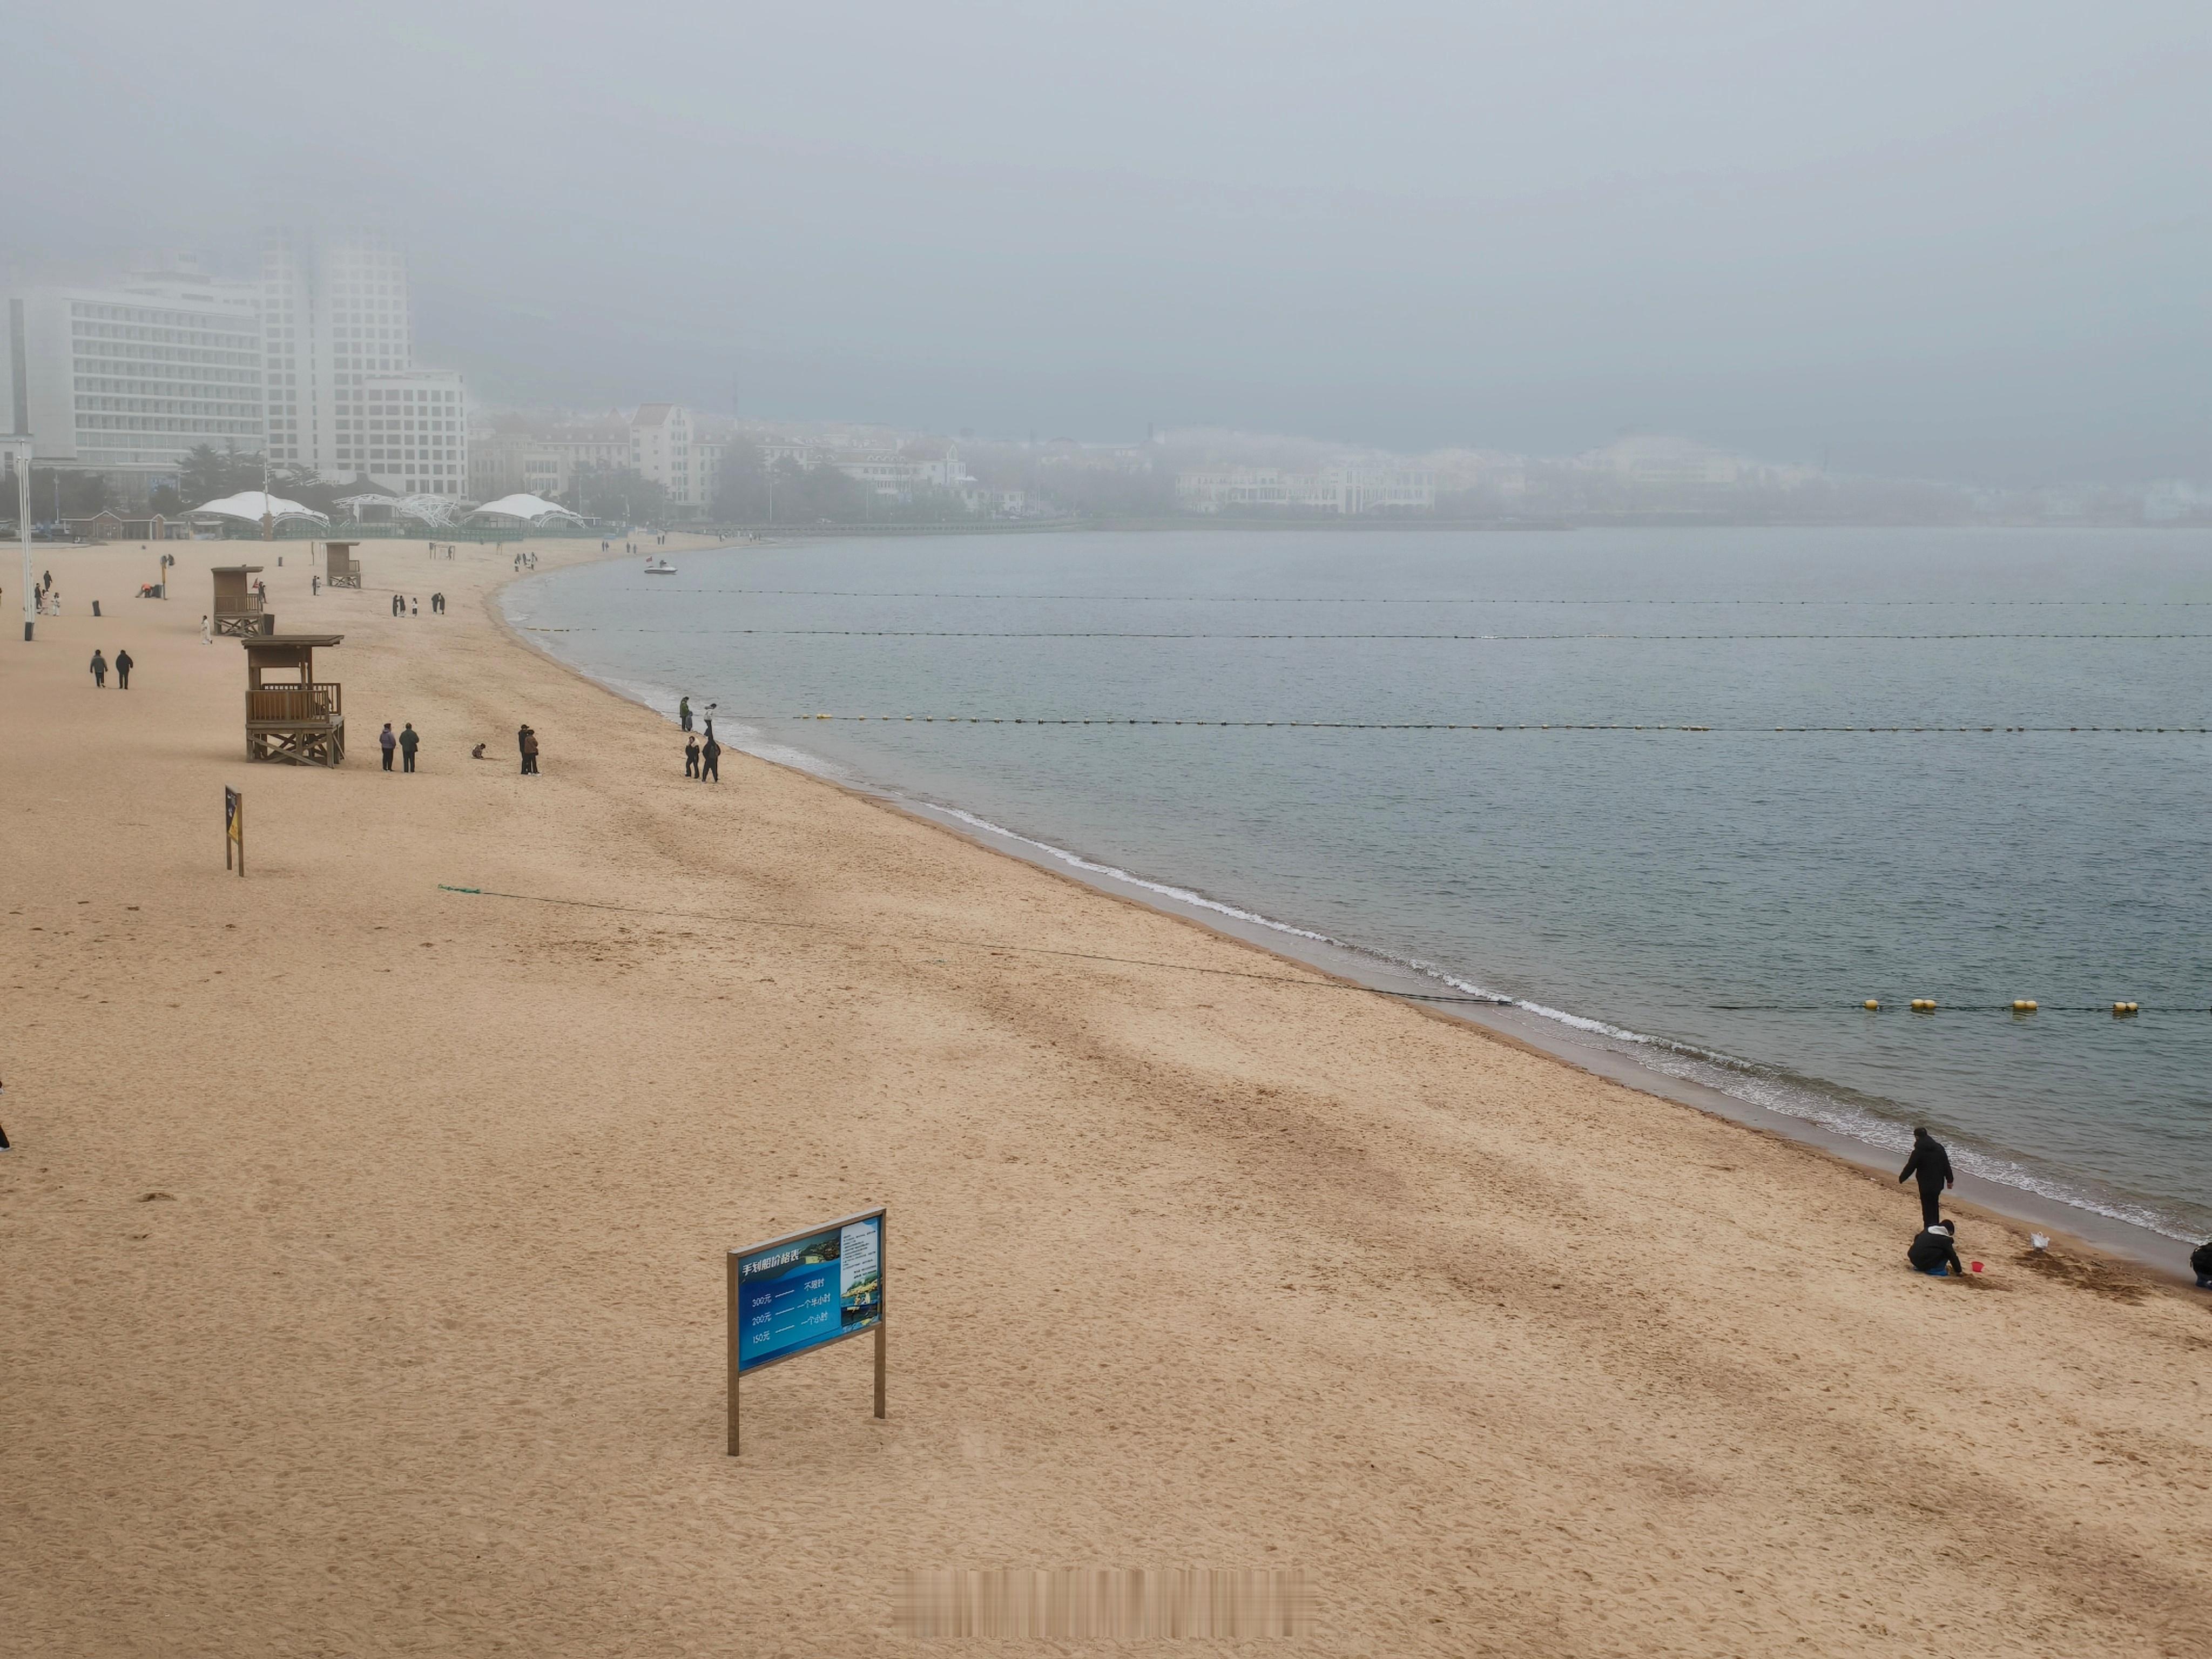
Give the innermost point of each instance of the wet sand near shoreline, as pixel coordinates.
(363, 1289)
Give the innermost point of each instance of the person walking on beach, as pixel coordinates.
(683, 712)
(710, 760)
(1931, 1165)
(122, 666)
(207, 630)
(98, 671)
(387, 743)
(529, 750)
(409, 742)
(314, 586)
(690, 757)
(1934, 1251)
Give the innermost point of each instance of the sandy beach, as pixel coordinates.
(363, 1239)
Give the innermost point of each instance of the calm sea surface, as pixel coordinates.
(1716, 903)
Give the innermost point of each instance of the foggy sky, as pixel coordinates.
(1971, 239)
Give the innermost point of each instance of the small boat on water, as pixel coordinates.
(658, 568)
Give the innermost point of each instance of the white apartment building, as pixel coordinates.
(408, 431)
(123, 379)
(660, 452)
(1347, 489)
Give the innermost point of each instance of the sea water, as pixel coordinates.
(1717, 904)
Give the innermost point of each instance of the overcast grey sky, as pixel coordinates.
(1972, 239)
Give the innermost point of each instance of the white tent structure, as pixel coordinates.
(372, 508)
(523, 509)
(251, 506)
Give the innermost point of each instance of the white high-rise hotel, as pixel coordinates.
(122, 379)
(338, 342)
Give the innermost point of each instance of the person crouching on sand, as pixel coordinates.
(2201, 1259)
(1935, 1252)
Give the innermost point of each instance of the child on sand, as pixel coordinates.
(1935, 1253)
(2200, 1259)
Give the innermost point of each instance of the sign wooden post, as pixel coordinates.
(234, 827)
(805, 1291)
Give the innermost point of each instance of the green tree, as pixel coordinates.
(750, 492)
(618, 492)
(209, 475)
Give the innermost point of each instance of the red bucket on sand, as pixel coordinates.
(1976, 1265)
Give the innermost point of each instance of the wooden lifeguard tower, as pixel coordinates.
(238, 608)
(340, 567)
(296, 718)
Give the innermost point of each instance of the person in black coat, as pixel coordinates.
(710, 761)
(123, 671)
(2201, 1259)
(1932, 1165)
(1933, 1252)
(690, 757)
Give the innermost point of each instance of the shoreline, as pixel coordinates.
(2140, 1247)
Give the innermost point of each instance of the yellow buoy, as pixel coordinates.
(2126, 1008)
(1924, 1004)
(2023, 1005)
(1872, 1006)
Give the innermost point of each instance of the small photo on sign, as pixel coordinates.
(860, 1279)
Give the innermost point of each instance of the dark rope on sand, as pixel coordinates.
(979, 945)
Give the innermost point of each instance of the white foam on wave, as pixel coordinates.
(1180, 895)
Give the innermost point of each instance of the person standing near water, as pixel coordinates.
(690, 757)
(710, 760)
(1931, 1165)
(683, 712)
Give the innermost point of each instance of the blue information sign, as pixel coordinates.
(799, 1293)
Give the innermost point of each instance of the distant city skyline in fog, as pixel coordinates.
(1972, 243)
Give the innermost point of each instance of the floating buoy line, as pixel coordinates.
(2021, 1005)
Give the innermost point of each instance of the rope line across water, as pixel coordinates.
(1123, 633)
(1353, 598)
(1469, 725)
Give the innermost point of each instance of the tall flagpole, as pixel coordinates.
(22, 445)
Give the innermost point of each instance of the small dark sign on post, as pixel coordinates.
(233, 828)
(804, 1291)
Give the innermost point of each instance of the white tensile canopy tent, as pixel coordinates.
(251, 506)
(524, 509)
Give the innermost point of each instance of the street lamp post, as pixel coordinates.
(21, 445)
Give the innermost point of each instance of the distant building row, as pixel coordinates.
(661, 443)
(1345, 490)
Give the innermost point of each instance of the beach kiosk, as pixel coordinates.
(292, 716)
(340, 567)
(237, 607)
